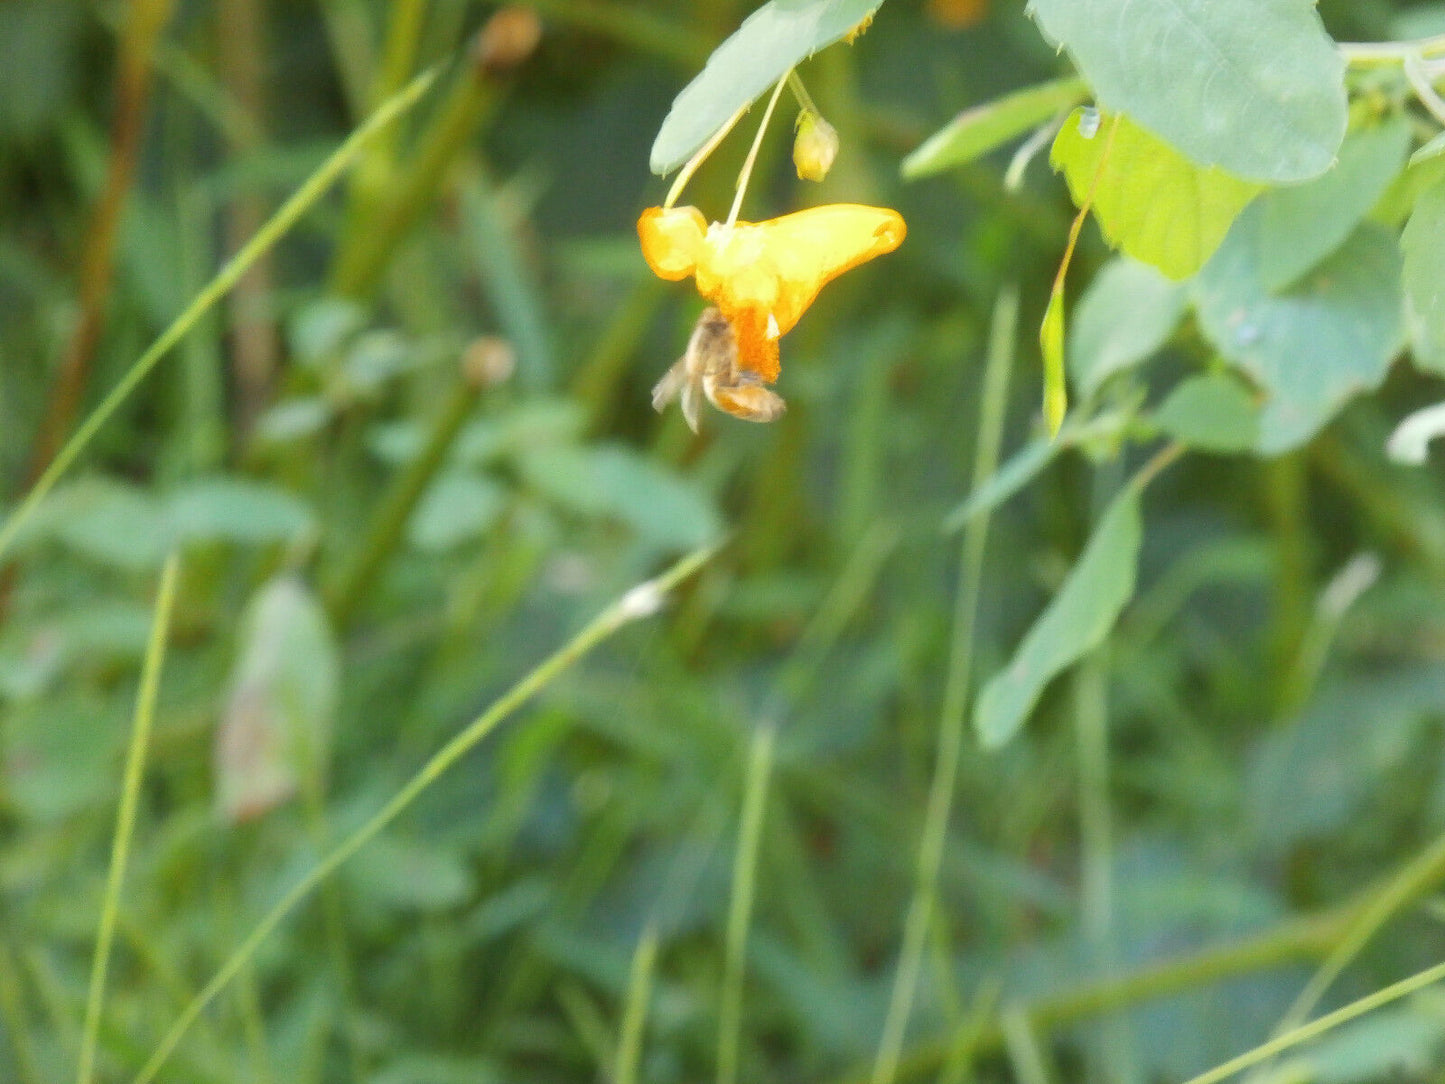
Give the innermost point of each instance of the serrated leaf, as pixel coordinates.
(975, 132)
(1075, 622)
(1212, 413)
(1302, 224)
(1424, 277)
(1150, 200)
(1255, 87)
(1128, 312)
(275, 727)
(771, 40)
(1314, 347)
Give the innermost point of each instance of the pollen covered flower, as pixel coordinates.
(762, 276)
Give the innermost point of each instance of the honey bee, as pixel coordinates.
(710, 367)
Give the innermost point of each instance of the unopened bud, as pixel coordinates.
(506, 41)
(814, 147)
(488, 361)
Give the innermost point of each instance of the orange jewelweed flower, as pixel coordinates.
(762, 276)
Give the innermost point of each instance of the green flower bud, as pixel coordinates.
(814, 147)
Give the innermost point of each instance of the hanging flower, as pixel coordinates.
(761, 276)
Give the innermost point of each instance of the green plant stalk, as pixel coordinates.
(634, 27)
(993, 403)
(598, 377)
(1407, 886)
(634, 1016)
(371, 241)
(389, 523)
(1022, 1046)
(740, 909)
(1265, 1051)
(1297, 939)
(276, 227)
(125, 817)
(17, 1027)
(638, 603)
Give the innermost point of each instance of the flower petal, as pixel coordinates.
(811, 248)
(672, 240)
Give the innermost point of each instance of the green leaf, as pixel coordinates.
(1006, 481)
(112, 523)
(1151, 201)
(410, 874)
(1425, 277)
(1213, 413)
(1076, 621)
(771, 40)
(1303, 224)
(457, 508)
(275, 728)
(1128, 312)
(237, 510)
(1314, 347)
(1051, 341)
(1255, 87)
(976, 131)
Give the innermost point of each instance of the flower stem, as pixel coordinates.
(747, 172)
(700, 157)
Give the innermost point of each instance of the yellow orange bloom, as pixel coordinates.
(762, 276)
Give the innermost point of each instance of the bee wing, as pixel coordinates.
(673, 382)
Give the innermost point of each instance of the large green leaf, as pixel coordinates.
(1425, 277)
(1318, 344)
(1127, 313)
(1211, 413)
(1302, 224)
(1150, 200)
(771, 40)
(976, 131)
(1076, 621)
(1253, 86)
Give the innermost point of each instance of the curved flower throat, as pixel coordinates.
(760, 277)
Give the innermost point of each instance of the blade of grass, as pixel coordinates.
(125, 816)
(740, 910)
(634, 1016)
(279, 224)
(994, 401)
(640, 602)
(15, 1019)
(1316, 1028)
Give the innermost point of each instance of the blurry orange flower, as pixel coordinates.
(763, 275)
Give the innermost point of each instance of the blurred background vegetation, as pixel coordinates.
(413, 452)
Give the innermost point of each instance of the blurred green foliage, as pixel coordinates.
(413, 453)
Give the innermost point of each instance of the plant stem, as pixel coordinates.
(132, 90)
(388, 525)
(640, 602)
(740, 910)
(992, 408)
(372, 237)
(634, 1016)
(279, 224)
(1354, 1009)
(747, 171)
(125, 816)
(701, 156)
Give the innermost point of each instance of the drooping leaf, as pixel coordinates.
(1127, 313)
(1302, 224)
(771, 40)
(1315, 346)
(975, 132)
(1425, 277)
(1150, 200)
(1075, 622)
(275, 726)
(1255, 87)
(1213, 413)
